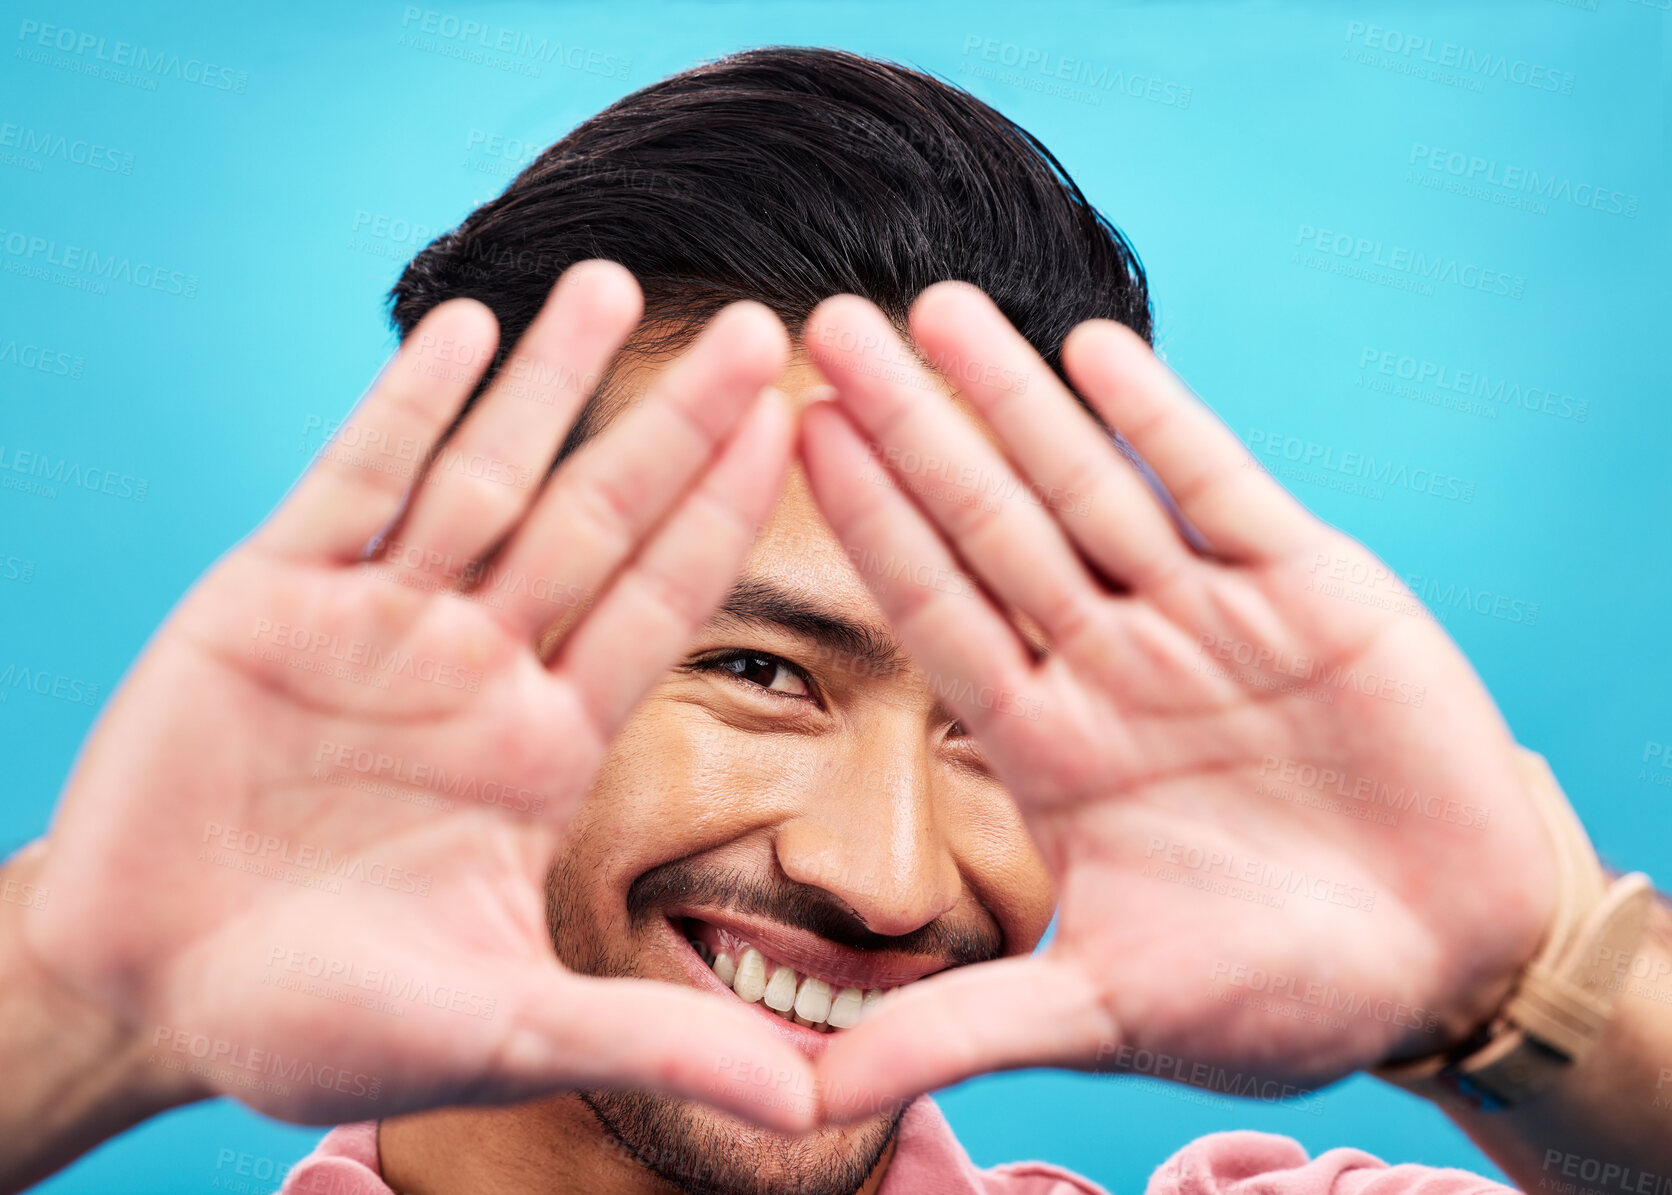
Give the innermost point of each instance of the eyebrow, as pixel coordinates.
(755, 601)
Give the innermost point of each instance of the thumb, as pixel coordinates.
(1035, 1011)
(577, 1032)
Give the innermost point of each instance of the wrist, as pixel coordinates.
(1559, 1006)
(76, 1074)
(1609, 1107)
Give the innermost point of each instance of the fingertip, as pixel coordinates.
(1097, 338)
(465, 320)
(609, 288)
(948, 300)
(755, 334)
(829, 332)
(1096, 356)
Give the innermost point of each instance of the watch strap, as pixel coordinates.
(1562, 1002)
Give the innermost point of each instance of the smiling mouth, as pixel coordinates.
(823, 1003)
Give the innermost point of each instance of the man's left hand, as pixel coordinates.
(1281, 809)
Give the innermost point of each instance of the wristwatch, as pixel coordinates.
(1562, 1001)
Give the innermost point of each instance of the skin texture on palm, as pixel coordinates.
(1071, 670)
(218, 759)
(1173, 680)
(851, 788)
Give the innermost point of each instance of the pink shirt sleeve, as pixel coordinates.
(344, 1163)
(1248, 1163)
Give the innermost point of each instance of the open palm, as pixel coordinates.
(1286, 820)
(304, 850)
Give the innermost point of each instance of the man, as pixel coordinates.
(791, 745)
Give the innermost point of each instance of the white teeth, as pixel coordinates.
(750, 983)
(807, 1001)
(780, 990)
(844, 1010)
(812, 1001)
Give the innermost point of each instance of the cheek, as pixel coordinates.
(1000, 861)
(678, 782)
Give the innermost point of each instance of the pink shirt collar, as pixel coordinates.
(927, 1161)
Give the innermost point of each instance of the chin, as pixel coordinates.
(698, 1149)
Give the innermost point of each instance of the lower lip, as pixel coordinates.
(808, 1041)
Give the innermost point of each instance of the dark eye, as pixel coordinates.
(767, 672)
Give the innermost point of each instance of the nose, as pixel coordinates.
(866, 833)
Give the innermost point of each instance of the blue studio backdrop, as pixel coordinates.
(1432, 235)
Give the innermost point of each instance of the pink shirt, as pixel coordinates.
(929, 1161)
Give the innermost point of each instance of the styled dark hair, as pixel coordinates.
(787, 175)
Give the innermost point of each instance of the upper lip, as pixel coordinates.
(816, 956)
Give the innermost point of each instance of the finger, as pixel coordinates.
(659, 602)
(972, 652)
(602, 502)
(968, 1021)
(1219, 486)
(484, 478)
(357, 483)
(1070, 462)
(582, 1033)
(959, 479)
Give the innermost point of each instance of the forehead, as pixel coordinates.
(795, 549)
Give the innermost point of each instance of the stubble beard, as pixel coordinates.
(698, 1149)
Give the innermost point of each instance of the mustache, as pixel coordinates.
(685, 881)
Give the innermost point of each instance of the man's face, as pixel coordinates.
(791, 796)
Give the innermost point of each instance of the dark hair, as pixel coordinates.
(787, 175)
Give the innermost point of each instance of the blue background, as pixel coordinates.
(272, 198)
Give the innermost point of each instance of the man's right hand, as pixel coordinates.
(302, 856)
